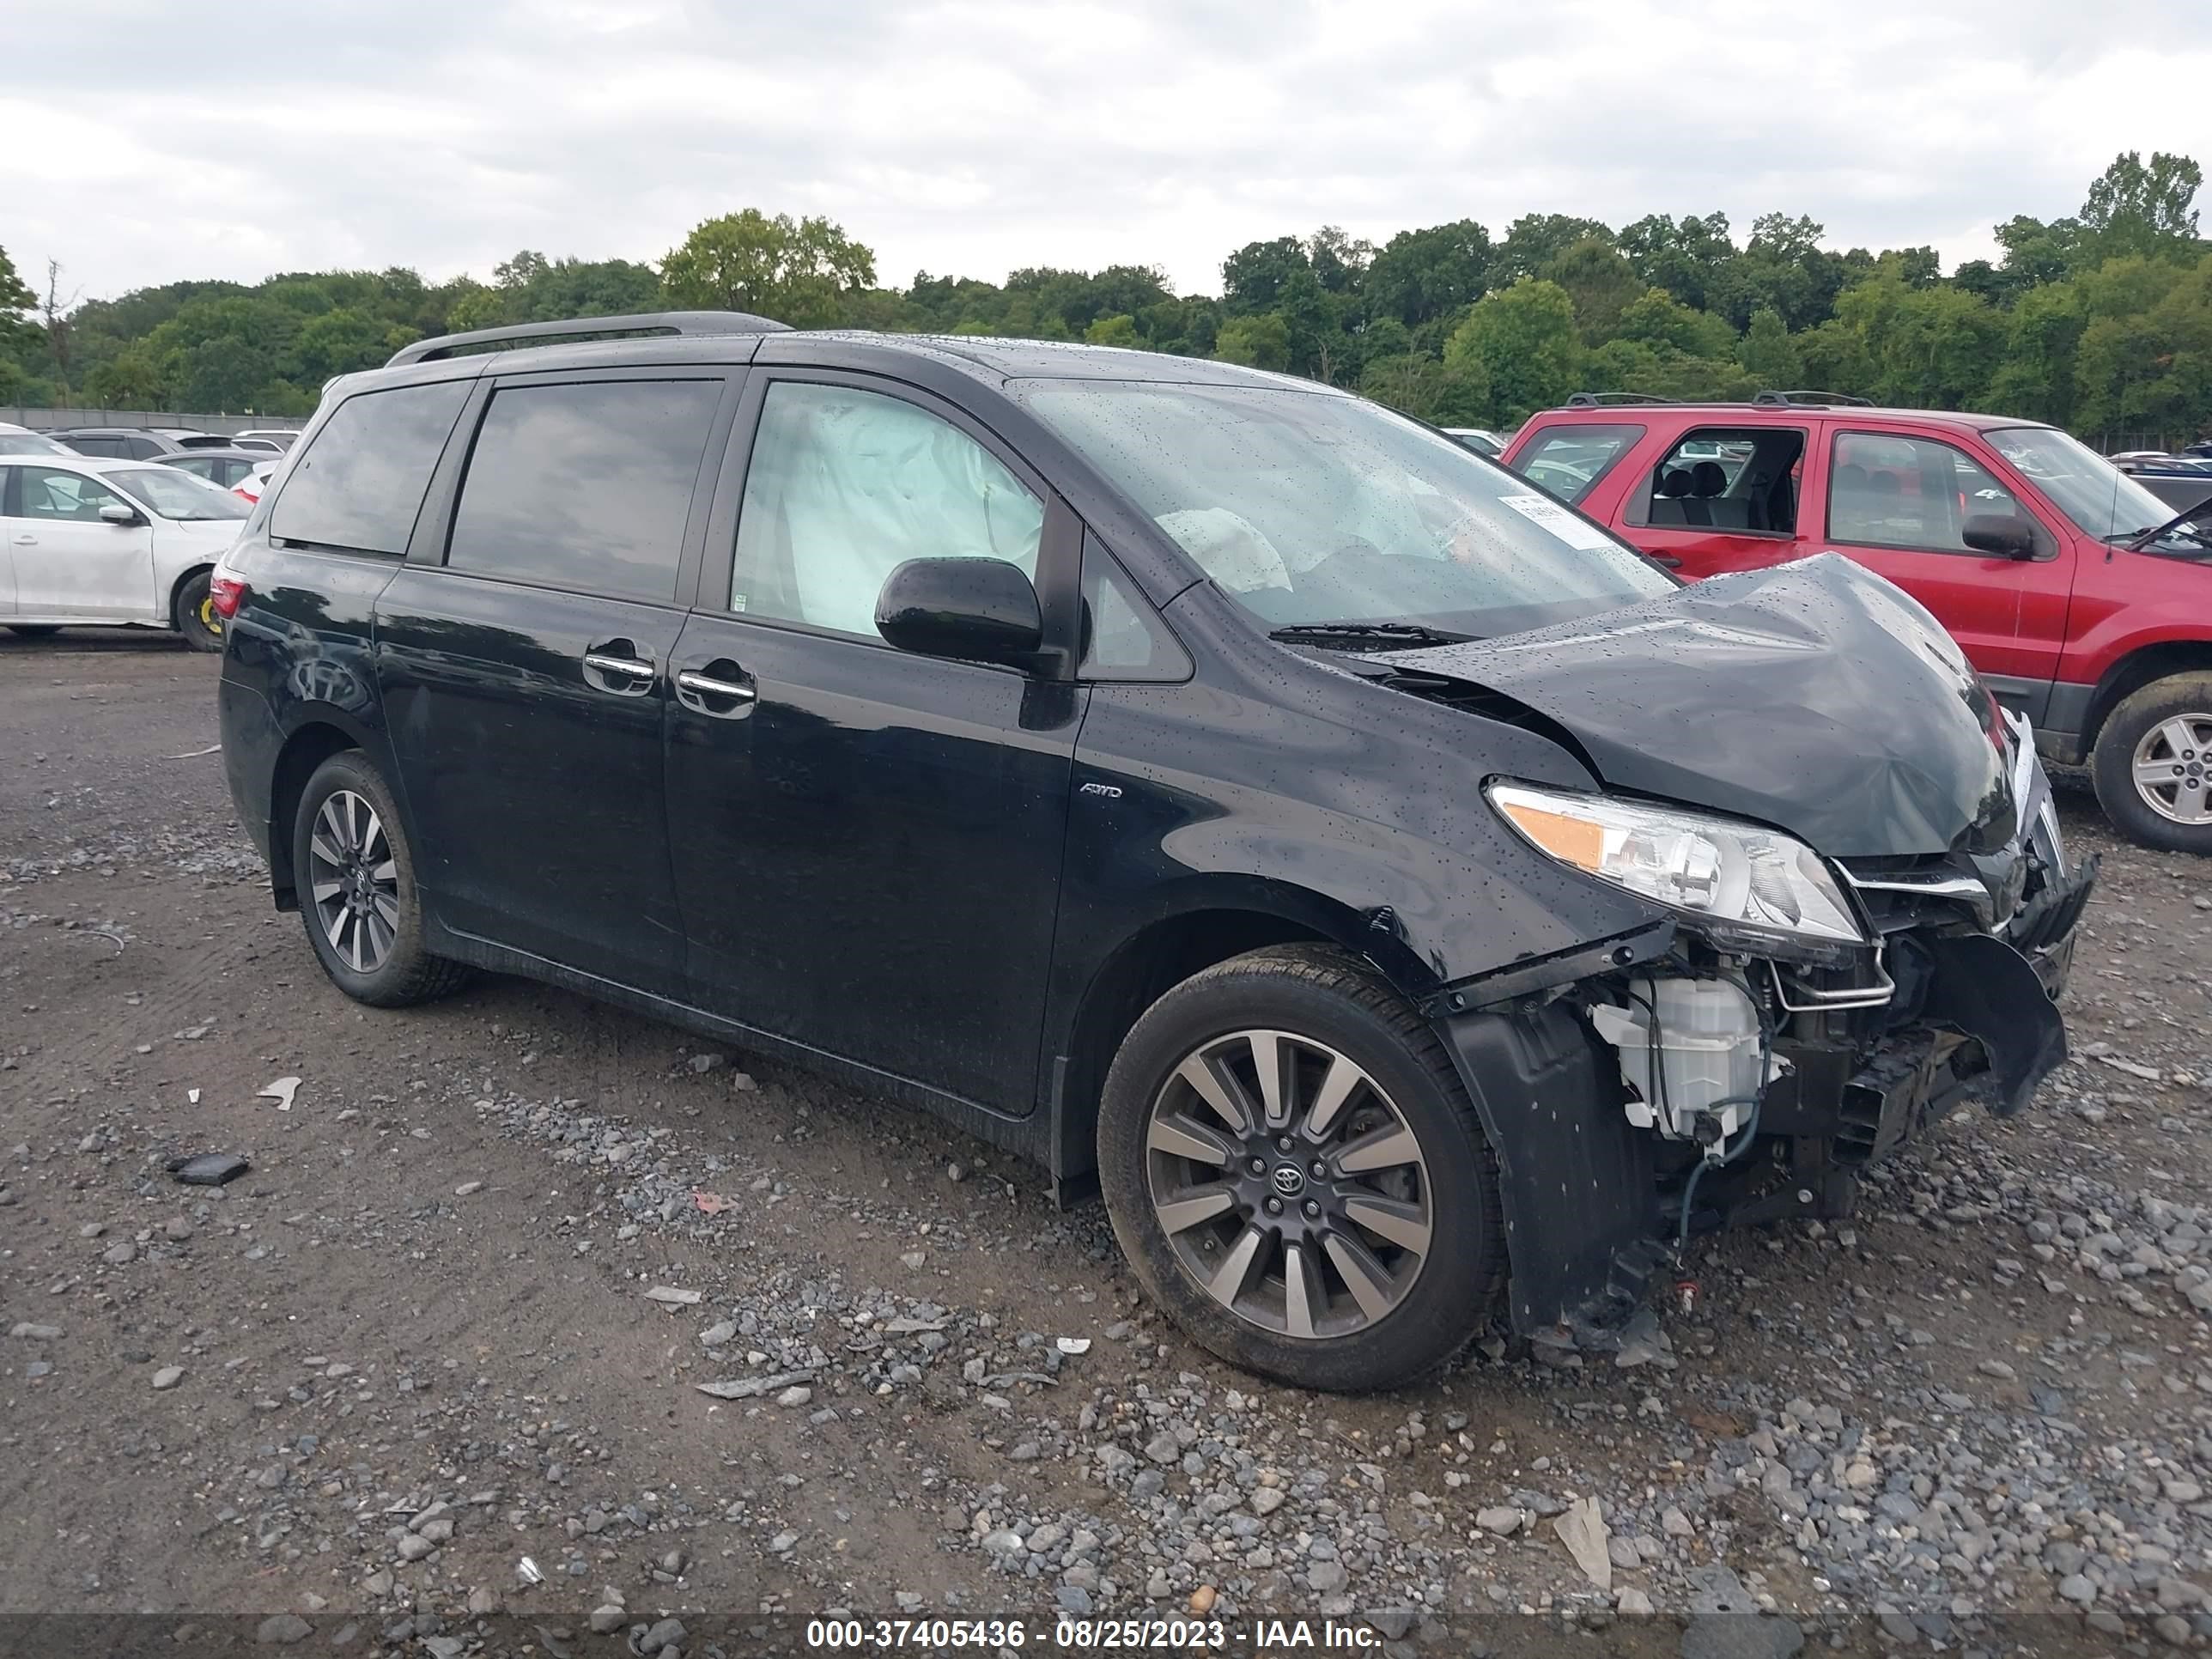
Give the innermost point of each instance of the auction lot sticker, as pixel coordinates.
(1542, 509)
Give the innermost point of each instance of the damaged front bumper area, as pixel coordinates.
(1642, 1090)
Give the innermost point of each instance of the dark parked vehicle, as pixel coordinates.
(2180, 481)
(219, 466)
(1405, 900)
(133, 443)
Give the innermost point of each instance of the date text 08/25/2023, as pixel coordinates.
(1076, 1634)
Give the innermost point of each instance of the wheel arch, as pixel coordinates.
(2142, 666)
(1209, 926)
(196, 568)
(309, 744)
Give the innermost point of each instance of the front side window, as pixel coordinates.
(200, 466)
(1310, 508)
(1569, 460)
(2101, 499)
(846, 485)
(360, 482)
(1122, 639)
(50, 493)
(175, 494)
(108, 448)
(1889, 490)
(586, 486)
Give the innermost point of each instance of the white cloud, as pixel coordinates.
(152, 143)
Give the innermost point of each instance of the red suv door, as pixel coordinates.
(1712, 498)
(1897, 499)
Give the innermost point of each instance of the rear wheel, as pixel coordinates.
(356, 876)
(1295, 1173)
(193, 613)
(2153, 764)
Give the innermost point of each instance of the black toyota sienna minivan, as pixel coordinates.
(1409, 905)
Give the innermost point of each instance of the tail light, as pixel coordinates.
(226, 593)
(245, 491)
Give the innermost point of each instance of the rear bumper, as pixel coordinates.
(251, 742)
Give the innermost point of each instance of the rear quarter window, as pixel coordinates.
(359, 483)
(1569, 460)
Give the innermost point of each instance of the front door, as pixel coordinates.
(867, 843)
(525, 682)
(1898, 503)
(69, 560)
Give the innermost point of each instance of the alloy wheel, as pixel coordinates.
(1289, 1185)
(2173, 769)
(354, 880)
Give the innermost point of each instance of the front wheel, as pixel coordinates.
(193, 614)
(355, 877)
(2153, 764)
(1295, 1173)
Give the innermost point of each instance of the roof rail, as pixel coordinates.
(1786, 399)
(1607, 399)
(584, 328)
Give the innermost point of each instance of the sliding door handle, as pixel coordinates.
(706, 685)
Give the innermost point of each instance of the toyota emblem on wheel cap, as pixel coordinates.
(1289, 1179)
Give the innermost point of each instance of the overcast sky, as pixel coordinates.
(153, 142)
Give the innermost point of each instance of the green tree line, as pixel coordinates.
(2100, 320)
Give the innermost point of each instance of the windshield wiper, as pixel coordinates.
(1377, 636)
(2139, 539)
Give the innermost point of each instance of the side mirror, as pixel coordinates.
(975, 610)
(115, 513)
(2001, 534)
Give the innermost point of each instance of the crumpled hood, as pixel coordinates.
(1812, 696)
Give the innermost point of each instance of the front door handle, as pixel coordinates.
(722, 690)
(618, 668)
(1667, 559)
(27, 541)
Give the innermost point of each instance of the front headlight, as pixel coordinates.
(1745, 878)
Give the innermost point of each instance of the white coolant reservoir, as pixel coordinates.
(1705, 1049)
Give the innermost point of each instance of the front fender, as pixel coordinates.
(1364, 803)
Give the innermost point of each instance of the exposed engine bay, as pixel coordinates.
(1800, 1016)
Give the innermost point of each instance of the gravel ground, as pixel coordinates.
(537, 1325)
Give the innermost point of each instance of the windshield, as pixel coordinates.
(2101, 499)
(175, 494)
(1307, 508)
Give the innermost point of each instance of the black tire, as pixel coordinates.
(1324, 996)
(192, 616)
(2179, 702)
(35, 631)
(394, 969)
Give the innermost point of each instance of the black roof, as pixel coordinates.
(736, 338)
(992, 358)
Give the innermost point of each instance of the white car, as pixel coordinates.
(1481, 440)
(276, 439)
(21, 440)
(110, 541)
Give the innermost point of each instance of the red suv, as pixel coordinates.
(2036, 553)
